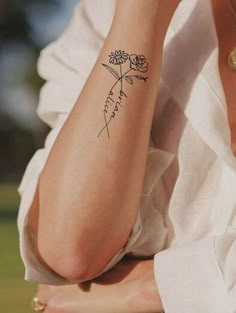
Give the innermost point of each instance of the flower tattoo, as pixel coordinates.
(138, 63)
(114, 100)
(118, 57)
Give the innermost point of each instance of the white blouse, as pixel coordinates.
(187, 216)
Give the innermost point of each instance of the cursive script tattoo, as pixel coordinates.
(115, 97)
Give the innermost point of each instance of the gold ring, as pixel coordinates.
(37, 305)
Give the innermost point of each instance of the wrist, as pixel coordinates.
(143, 295)
(137, 7)
(146, 15)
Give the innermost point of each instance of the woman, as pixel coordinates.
(154, 180)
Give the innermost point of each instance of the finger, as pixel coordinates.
(45, 292)
(42, 287)
(58, 304)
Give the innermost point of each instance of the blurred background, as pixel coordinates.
(26, 26)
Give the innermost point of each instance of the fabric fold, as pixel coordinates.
(189, 280)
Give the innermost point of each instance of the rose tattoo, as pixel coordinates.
(114, 100)
(138, 63)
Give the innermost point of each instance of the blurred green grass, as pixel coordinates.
(15, 292)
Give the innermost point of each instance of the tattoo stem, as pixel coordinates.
(120, 79)
(106, 124)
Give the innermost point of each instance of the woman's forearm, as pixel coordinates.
(91, 184)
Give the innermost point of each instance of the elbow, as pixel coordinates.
(74, 267)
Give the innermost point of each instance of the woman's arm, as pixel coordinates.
(90, 187)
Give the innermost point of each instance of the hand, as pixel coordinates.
(129, 287)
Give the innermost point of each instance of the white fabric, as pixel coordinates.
(187, 215)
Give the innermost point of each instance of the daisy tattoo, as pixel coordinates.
(135, 65)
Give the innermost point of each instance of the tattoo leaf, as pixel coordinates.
(114, 72)
(140, 77)
(129, 79)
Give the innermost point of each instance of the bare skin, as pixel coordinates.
(127, 288)
(121, 290)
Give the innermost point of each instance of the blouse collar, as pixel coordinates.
(191, 52)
